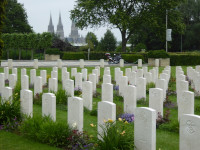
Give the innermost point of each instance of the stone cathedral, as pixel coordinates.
(74, 37)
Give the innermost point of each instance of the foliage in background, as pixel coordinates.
(158, 54)
(2, 17)
(53, 51)
(108, 42)
(16, 18)
(116, 135)
(61, 97)
(91, 40)
(26, 42)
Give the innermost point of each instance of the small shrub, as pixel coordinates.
(79, 141)
(169, 104)
(46, 131)
(77, 91)
(97, 94)
(116, 136)
(172, 126)
(93, 112)
(10, 116)
(162, 119)
(142, 101)
(61, 97)
(119, 110)
(37, 99)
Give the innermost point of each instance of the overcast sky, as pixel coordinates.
(38, 12)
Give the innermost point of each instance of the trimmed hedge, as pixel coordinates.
(73, 56)
(130, 58)
(184, 59)
(53, 51)
(158, 54)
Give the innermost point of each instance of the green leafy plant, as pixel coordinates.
(46, 131)
(116, 135)
(61, 97)
(150, 85)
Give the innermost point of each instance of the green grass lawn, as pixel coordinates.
(167, 135)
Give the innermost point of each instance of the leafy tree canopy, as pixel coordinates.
(91, 39)
(126, 15)
(108, 42)
(16, 18)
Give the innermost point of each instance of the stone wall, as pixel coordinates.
(52, 57)
(162, 62)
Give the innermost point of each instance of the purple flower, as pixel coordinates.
(127, 117)
(116, 87)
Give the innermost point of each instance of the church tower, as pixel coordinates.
(51, 27)
(60, 31)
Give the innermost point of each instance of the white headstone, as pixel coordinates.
(81, 63)
(139, 73)
(182, 86)
(145, 69)
(55, 69)
(53, 85)
(95, 71)
(54, 74)
(160, 83)
(10, 63)
(23, 72)
(6, 73)
(49, 105)
(87, 94)
(84, 73)
(78, 80)
(139, 62)
(37, 85)
(156, 100)
(186, 104)
(132, 79)
(99, 70)
(154, 77)
(75, 113)
(121, 63)
(107, 92)
(73, 72)
(102, 63)
(59, 63)
(14, 71)
(189, 132)
(32, 76)
(156, 62)
(148, 77)
(26, 102)
(145, 129)
(12, 80)
(130, 99)
(35, 65)
(122, 85)
(106, 111)
(116, 72)
(134, 68)
(2, 82)
(25, 83)
(6, 95)
(92, 78)
(106, 79)
(127, 72)
(68, 86)
(43, 74)
(141, 88)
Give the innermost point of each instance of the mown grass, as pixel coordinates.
(167, 135)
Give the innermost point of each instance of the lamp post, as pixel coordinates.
(168, 32)
(166, 29)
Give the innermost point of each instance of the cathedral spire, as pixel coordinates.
(60, 31)
(51, 27)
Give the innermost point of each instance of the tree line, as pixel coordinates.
(26, 41)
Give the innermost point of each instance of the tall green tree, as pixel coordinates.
(16, 18)
(126, 15)
(108, 42)
(91, 40)
(2, 17)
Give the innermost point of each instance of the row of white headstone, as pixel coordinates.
(107, 109)
(81, 63)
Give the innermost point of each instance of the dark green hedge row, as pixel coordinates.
(184, 59)
(130, 58)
